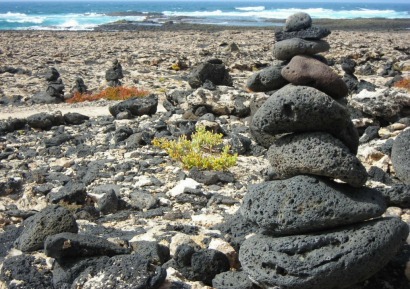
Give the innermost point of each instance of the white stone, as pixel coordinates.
(181, 186)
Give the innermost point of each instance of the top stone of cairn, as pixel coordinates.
(298, 21)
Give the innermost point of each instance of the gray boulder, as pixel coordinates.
(400, 156)
(136, 106)
(286, 49)
(74, 118)
(121, 271)
(44, 120)
(303, 109)
(330, 259)
(315, 153)
(305, 70)
(44, 97)
(70, 245)
(72, 192)
(298, 21)
(50, 221)
(267, 79)
(314, 32)
(213, 70)
(305, 204)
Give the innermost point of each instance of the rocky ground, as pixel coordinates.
(78, 164)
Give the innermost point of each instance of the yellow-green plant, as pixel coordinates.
(203, 151)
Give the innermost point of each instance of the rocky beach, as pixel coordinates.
(86, 200)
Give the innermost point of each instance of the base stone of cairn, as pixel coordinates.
(312, 232)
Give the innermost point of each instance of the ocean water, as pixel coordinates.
(85, 15)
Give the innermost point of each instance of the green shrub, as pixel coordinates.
(203, 151)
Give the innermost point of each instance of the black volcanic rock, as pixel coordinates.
(50, 221)
(314, 32)
(136, 106)
(316, 154)
(70, 245)
(303, 109)
(329, 259)
(400, 156)
(213, 70)
(308, 204)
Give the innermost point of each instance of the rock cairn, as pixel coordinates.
(114, 74)
(55, 89)
(79, 86)
(312, 232)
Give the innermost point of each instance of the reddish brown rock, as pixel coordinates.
(305, 70)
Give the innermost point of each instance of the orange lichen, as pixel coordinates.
(404, 83)
(110, 93)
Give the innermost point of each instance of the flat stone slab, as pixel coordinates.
(305, 70)
(286, 49)
(308, 204)
(314, 32)
(400, 156)
(315, 153)
(330, 259)
(70, 245)
(304, 109)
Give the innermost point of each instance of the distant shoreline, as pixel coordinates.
(357, 24)
(332, 24)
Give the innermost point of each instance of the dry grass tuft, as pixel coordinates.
(110, 93)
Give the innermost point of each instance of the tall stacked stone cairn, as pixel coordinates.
(54, 92)
(114, 74)
(311, 231)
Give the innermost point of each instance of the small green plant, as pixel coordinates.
(176, 67)
(203, 151)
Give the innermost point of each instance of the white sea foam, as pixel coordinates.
(10, 17)
(251, 8)
(284, 13)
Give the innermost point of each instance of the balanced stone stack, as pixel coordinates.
(55, 89)
(313, 221)
(114, 74)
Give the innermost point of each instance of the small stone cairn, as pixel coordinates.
(79, 86)
(114, 74)
(312, 232)
(55, 89)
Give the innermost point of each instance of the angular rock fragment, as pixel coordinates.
(400, 156)
(70, 245)
(50, 221)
